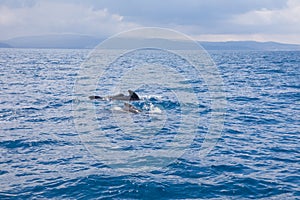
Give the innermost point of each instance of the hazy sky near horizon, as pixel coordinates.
(205, 20)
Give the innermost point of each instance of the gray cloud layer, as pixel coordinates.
(259, 19)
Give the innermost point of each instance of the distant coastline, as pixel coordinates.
(70, 41)
(4, 45)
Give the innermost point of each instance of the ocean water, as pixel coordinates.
(45, 155)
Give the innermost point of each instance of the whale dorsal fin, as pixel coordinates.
(133, 96)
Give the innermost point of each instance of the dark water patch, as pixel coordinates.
(3, 172)
(28, 144)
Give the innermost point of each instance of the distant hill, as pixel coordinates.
(72, 41)
(65, 41)
(249, 45)
(4, 45)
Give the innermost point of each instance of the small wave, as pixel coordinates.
(27, 144)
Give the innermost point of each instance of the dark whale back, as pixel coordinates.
(130, 108)
(134, 97)
(131, 97)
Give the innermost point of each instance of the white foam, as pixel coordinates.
(151, 96)
(117, 108)
(154, 110)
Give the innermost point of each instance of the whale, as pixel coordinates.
(130, 108)
(121, 97)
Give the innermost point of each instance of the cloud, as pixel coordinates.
(185, 12)
(268, 21)
(46, 17)
(279, 23)
(17, 3)
(223, 19)
(7, 17)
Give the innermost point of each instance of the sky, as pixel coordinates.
(203, 20)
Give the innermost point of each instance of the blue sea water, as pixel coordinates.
(44, 156)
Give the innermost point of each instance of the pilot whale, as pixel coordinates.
(121, 97)
(130, 108)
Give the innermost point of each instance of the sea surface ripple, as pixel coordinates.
(257, 156)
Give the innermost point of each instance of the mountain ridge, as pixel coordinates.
(4, 45)
(73, 41)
